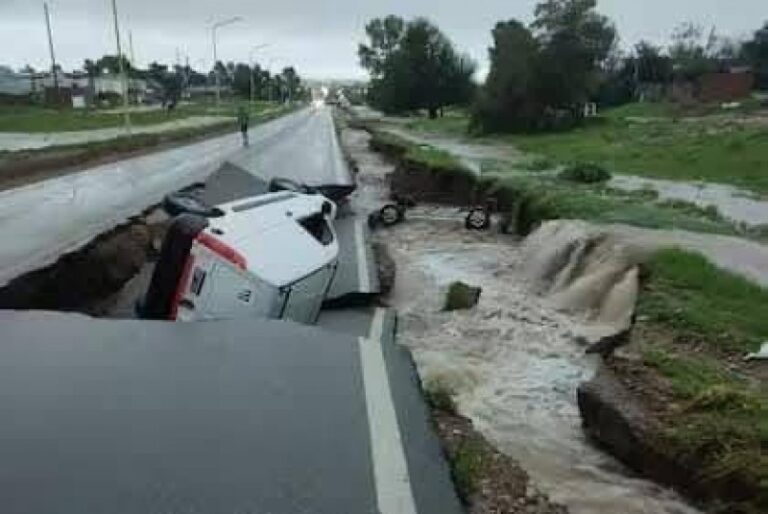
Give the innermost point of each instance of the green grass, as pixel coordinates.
(715, 307)
(550, 198)
(423, 155)
(37, 119)
(719, 421)
(707, 149)
(731, 154)
(719, 426)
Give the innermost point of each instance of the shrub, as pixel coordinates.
(587, 173)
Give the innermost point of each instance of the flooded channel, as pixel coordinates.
(512, 362)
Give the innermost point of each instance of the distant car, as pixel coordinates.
(268, 256)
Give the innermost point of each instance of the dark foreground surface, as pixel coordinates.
(217, 417)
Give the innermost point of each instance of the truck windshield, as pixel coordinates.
(318, 227)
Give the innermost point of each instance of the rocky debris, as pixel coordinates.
(461, 297)
(487, 481)
(605, 346)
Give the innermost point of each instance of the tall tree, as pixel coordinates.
(574, 42)
(755, 52)
(414, 66)
(506, 102)
(292, 83)
(651, 64)
(111, 64)
(690, 50)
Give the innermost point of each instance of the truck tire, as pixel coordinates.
(391, 214)
(478, 219)
(173, 256)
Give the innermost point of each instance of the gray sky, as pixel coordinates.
(319, 38)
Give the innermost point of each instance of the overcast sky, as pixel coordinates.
(319, 38)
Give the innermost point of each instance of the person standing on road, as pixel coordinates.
(243, 120)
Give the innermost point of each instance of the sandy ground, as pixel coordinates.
(16, 141)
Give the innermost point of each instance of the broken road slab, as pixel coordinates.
(231, 416)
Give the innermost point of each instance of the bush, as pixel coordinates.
(588, 173)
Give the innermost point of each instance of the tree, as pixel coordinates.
(385, 36)
(755, 52)
(574, 42)
(507, 102)
(241, 80)
(414, 66)
(111, 64)
(651, 65)
(689, 51)
(292, 83)
(91, 68)
(542, 75)
(170, 83)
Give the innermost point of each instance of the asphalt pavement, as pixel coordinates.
(42, 221)
(130, 416)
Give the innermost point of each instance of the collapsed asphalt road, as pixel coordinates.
(48, 219)
(220, 416)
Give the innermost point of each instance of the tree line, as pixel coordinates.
(541, 73)
(246, 81)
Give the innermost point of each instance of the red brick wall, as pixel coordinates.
(725, 87)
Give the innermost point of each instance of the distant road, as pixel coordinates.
(16, 141)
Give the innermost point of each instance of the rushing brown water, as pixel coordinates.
(512, 361)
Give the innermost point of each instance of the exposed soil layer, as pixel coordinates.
(80, 281)
(26, 167)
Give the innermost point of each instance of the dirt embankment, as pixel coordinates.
(630, 407)
(85, 280)
(26, 167)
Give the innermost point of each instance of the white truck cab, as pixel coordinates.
(269, 256)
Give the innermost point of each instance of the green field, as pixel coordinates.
(33, 119)
(720, 413)
(650, 140)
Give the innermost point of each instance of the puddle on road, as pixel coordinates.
(512, 362)
(736, 204)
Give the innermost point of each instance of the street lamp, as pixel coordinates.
(250, 58)
(217, 26)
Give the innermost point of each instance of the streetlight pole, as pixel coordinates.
(217, 26)
(253, 65)
(50, 47)
(126, 114)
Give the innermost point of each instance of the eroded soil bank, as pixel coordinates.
(513, 363)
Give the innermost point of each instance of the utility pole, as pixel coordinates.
(215, 27)
(50, 47)
(124, 80)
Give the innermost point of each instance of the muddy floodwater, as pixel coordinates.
(735, 204)
(512, 362)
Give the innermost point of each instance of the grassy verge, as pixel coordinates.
(717, 419)
(32, 119)
(721, 148)
(417, 155)
(530, 199)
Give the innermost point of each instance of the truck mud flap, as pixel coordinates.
(173, 255)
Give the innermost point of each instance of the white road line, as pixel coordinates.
(390, 470)
(362, 257)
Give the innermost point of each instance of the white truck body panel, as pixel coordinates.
(281, 271)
